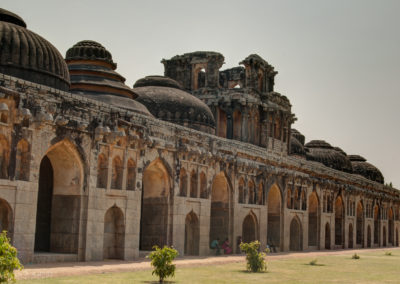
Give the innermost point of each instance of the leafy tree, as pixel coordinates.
(161, 260)
(8, 259)
(255, 260)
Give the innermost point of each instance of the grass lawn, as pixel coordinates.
(372, 267)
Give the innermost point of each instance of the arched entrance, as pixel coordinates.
(114, 234)
(59, 202)
(6, 218)
(296, 235)
(274, 202)
(339, 219)
(360, 227)
(327, 236)
(313, 220)
(369, 236)
(154, 215)
(219, 222)
(376, 225)
(350, 235)
(391, 229)
(192, 234)
(384, 236)
(249, 228)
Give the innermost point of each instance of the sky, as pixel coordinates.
(338, 61)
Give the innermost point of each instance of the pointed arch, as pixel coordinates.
(391, 226)
(260, 194)
(250, 228)
(296, 235)
(241, 197)
(376, 224)
(193, 184)
(192, 234)
(114, 234)
(359, 223)
(117, 169)
(303, 200)
(203, 186)
(102, 171)
(274, 203)
(4, 157)
(183, 182)
(6, 218)
(339, 221)
(131, 175)
(289, 199)
(22, 160)
(313, 219)
(252, 195)
(296, 198)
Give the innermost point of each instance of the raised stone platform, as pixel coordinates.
(49, 257)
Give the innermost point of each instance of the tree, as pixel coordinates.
(8, 259)
(161, 260)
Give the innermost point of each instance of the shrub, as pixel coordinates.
(388, 253)
(355, 256)
(313, 262)
(161, 260)
(8, 259)
(255, 260)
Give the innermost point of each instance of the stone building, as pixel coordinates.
(92, 169)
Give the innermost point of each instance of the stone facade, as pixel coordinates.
(86, 175)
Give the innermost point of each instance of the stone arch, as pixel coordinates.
(241, 197)
(237, 124)
(303, 200)
(114, 234)
(193, 184)
(59, 199)
(376, 224)
(250, 186)
(192, 234)
(289, 199)
(220, 206)
(327, 236)
(183, 182)
(339, 221)
(296, 235)
(274, 203)
(360, 223)
(296, 198)
(391, 226)
(117, 173)
(155, 206)
(102, 171)
(4, 157)
(260, 194)
(313, 219)
(203, 186)
(222, 123)
(350, 243)
(22, 160)
(6, 218)
(250, 228)
(369, 236)
(131, 175)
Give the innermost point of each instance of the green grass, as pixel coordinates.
(372, 267)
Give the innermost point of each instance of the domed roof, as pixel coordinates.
(93, 75)
(323, 152)
(361, 167)
(296, 148)
(167, 101)
(300, 137)
(28, 56)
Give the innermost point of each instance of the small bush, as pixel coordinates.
(255, 260)
(8, 259)
(313, 262)
(161, 260)
(355, 256)
(388, 253)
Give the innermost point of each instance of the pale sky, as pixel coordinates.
(338, 61)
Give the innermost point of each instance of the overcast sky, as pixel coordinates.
(338, 61)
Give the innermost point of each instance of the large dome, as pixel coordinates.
(297, 143)
(165, 99)
(28, 56)
(361, 167)
(323, 152)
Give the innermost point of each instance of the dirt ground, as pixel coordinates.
(33, 271)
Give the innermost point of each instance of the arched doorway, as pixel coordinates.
(350, 235)
(219, 222)
(313, 220)
(327, 236)
(59, 202)
(192, 234)
(384, 236)
(249, 228)
(114, 234)
(339, 219)
(6, 218)
(376, 225)
(274, 202)
(369, 236)
(360, 230)
(296, 235)
(154, 215)
(391, 229)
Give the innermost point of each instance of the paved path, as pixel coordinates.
(84, 268)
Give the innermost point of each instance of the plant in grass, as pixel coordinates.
(255, 259)
(161, 260)
(8, 259)
(313, 262)
(388, 253)
(355, 256)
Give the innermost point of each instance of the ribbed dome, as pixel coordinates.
(296, 148)
(323, 152)
(166, 101)
(361, 167)
(300, 137)
(28, 56)
(93, 75)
